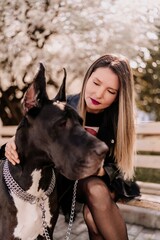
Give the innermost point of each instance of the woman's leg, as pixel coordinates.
(101, 214)
(92, 229)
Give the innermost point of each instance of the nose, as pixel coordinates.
(101, 149)
(100, 92)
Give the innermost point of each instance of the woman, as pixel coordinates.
(106, 104)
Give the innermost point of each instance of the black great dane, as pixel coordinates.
(49, 137)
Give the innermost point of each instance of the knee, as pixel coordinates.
(95, 188)
(97, 193)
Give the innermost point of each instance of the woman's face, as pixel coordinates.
(101, 89)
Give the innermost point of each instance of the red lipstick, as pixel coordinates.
(94, 101)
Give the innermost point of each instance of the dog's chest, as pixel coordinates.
(29, 216)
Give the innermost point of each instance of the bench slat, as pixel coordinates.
(8, 130)
(144, 204)
(149, 144)
(150, 128)
(147, 161)
(150, 188)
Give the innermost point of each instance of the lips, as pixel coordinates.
(94, 102)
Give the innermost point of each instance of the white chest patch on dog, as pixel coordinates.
(29, 216)
(59, 104)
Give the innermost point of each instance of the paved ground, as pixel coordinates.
(79, 230)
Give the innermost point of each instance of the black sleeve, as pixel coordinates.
(73, 100)
(2, 152)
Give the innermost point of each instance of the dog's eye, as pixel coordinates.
(62, 123)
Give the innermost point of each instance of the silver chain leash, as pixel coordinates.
(67, 237)
(44, 224)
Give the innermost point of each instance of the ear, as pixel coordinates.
(61, 95)
(36, 93)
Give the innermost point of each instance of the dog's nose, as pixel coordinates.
(101, 149)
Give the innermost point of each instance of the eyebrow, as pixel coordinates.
(109, 87)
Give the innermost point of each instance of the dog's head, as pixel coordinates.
(51, 132)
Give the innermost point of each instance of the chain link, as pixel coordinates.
(67, 237)
(44, 224)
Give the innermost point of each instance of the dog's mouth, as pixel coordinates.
(92, 170)
(82, 171)
(83, 164)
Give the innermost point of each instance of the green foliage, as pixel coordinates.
(147, 81)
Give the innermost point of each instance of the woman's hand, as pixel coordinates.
(10, 151)
(101, 172)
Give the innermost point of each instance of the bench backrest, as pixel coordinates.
(148, 145)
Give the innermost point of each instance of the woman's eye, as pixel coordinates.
(97, 84)
(111, 92)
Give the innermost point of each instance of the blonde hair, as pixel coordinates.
(125, 130)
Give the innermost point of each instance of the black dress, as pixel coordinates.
(113, 178)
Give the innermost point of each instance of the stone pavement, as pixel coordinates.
(79, 230)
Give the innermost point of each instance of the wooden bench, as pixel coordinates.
(148, 145)
(148, 156)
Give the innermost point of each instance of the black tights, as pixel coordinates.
(101, 214)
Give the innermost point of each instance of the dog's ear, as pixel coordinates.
(61, 95)
(36, 93)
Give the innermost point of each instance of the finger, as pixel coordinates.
(10, 146)
(10, 155)
(14, 154)
(10, 159)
